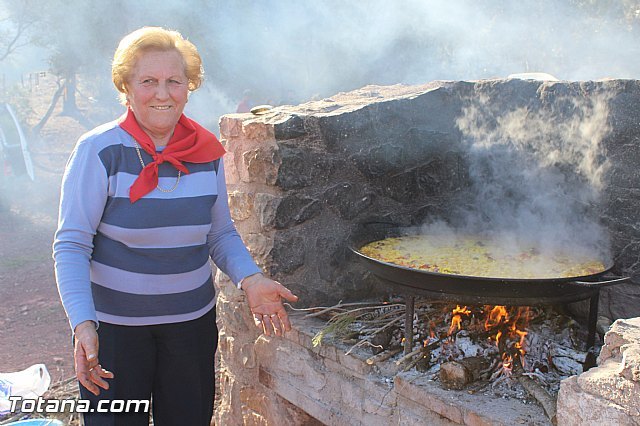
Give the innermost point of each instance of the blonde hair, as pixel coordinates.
(154, 38)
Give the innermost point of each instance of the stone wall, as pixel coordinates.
(288, 380)
(302, 178)
(609, 393)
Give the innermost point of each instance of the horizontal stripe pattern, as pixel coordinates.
(119, 303)
(136, 283)
(149, 260)
(190, 185)
(170, 236)
(122, 157)
(151, 320)
(157, 213)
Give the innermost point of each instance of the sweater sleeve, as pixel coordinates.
(82, 200)
(226, 247)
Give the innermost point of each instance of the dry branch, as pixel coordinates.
(383, 356)
(537, 392)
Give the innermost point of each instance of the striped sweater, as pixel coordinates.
(147, 262)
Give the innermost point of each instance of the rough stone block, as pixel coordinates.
(295, 209)
(230, 127)
(288, 253)
(266, 206)
(410, 413)
(449, 409)
(379, 399)
(577, 408)
(240, 205)
(290, 128)
(606, 382)
(623, 332)
(230, 169)
(256, 130)
(354, 363)
(349, 391)
(259, 246)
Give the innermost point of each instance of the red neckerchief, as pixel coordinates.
(190, 142)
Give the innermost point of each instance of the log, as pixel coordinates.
(454, 375)
(458, 374)
(540, 394)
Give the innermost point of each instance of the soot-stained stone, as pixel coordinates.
(292, 128)
(287, 254)
(378, 161)
(295, 209)
(349, 199)
(396, 155)
(300, 167)
(355, 125)
(420, 145)
(330, 254)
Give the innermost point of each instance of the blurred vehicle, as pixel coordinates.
(15, 157)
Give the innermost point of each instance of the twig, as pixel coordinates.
(538, 393)
(410, 355)
(387, 325)
(383, 356)
(360, 344)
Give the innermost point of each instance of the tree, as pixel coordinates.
(15, 24)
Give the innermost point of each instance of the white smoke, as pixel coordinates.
(538, 172)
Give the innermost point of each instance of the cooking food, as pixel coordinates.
(468, 255)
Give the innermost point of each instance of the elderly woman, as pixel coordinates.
(143, 208)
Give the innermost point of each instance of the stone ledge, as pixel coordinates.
(464, 408)
(325, 382)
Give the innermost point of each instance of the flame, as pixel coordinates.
(507, 364)
(497, 315)
(510, 325)
(506, 327)
(456, 319)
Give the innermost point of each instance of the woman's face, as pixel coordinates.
(157, 92)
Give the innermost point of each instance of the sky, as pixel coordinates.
(286, 52)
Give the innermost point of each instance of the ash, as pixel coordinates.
(464, 347)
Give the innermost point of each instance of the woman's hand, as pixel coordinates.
(88, 369)
(265, 301)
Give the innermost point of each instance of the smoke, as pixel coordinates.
(290, 52)
(287, 52)
(537, 172)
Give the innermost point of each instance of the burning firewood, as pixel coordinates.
(520, 352)
(459, 374)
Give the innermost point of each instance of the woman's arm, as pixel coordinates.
(82, 200)
(229, 253)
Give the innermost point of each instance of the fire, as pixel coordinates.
(456, 319)
(505, 326)
(510, 335)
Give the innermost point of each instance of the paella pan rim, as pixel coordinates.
(436, 275)
(486, 287)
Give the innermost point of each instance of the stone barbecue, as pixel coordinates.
(559, 158)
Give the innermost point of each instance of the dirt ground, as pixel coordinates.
(33, 325)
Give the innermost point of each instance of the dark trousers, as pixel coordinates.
(171, 364)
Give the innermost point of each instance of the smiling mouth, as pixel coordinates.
(161, 108)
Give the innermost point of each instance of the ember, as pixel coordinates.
(509, 351)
